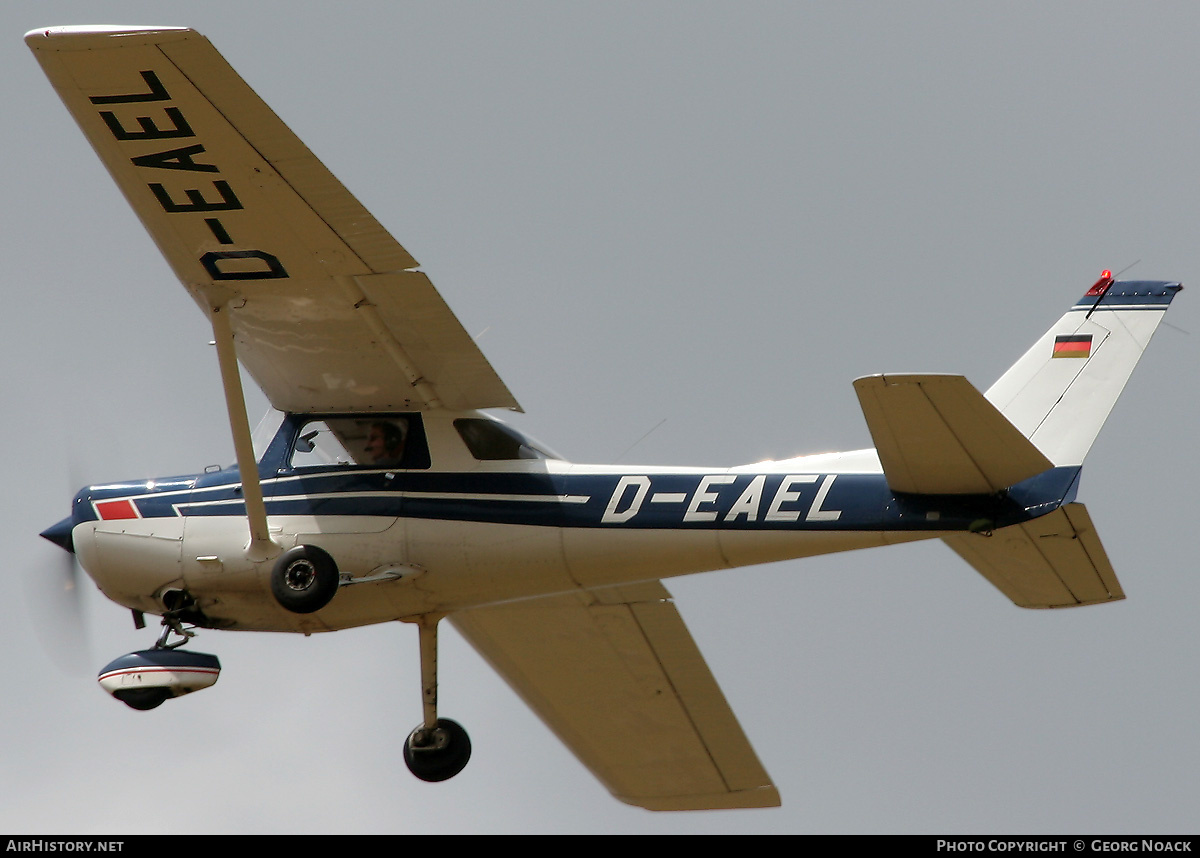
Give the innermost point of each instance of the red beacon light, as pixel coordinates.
(1102, 285)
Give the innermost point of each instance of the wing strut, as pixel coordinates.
(261, 546)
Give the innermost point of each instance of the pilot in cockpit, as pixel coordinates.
(385, 443)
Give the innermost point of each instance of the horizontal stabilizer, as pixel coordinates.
(1055, 561)
(937, 434)
(615, 674)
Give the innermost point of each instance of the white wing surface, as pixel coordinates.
(326, 310)
(616, 675)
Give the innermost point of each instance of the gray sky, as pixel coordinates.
(715, 214)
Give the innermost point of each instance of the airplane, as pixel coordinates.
(386, 490)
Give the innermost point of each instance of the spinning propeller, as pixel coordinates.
(53, 587)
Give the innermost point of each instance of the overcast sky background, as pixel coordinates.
(715, 215)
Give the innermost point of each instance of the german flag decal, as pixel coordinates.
(1072, 346)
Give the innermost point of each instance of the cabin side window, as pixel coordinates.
(383, 441)
(490, 441)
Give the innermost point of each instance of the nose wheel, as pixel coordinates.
(148, 678)
(439, 748)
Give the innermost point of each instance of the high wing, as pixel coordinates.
(326, 309)
(616, 675)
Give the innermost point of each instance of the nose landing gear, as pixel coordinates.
(437, 750)
(146, 679)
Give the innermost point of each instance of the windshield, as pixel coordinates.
(265, 432)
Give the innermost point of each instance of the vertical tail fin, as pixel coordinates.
(1061, 391)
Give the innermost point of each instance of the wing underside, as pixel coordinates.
(616, 675)
(325, 307)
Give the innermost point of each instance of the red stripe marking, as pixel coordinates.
(206, 671)
(115, 509)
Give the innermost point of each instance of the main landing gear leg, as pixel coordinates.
(439, 748)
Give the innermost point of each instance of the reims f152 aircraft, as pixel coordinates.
(388, 494)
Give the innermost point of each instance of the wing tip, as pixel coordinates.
(91, 32)
(742, 799)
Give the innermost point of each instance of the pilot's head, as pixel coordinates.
(385, 443)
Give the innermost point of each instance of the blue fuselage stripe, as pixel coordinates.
(721, 500)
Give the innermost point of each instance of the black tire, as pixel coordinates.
(304, 579)
(143, 699)
(443, 757)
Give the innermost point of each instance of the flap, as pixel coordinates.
(616, 675)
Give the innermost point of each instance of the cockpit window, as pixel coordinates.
(490, 441)
(317, 444)
(374, 442)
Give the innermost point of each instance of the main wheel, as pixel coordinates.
(304, 579)
(438, 754)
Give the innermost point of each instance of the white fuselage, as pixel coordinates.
(648, 523)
